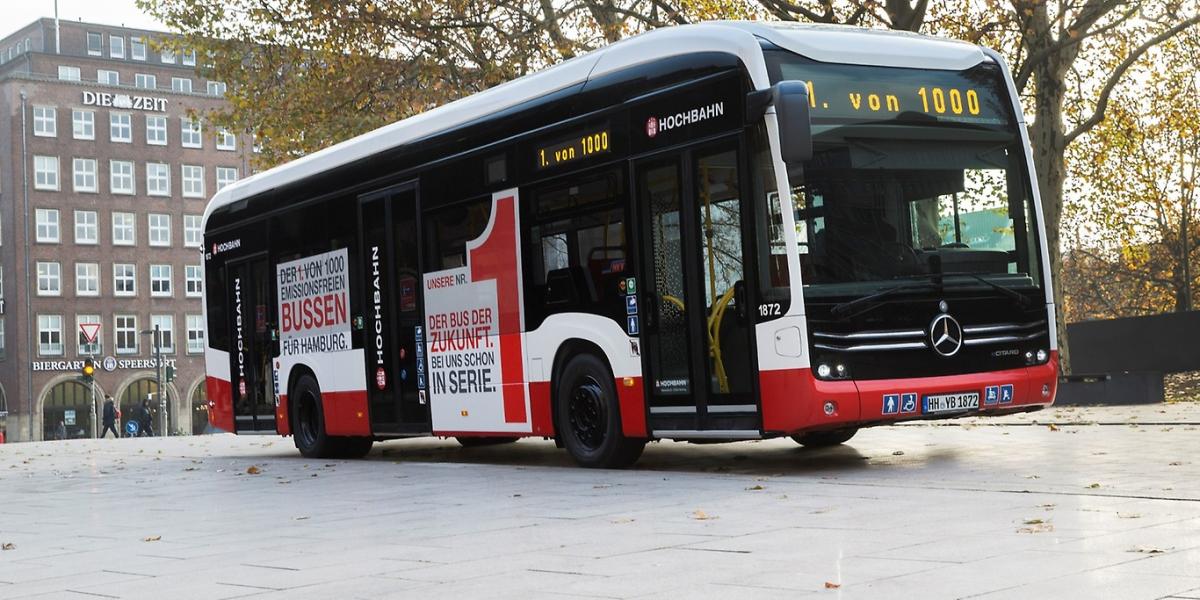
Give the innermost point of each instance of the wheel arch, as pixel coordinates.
(289, 408)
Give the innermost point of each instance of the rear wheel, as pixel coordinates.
(824, 439)
(476, 442)
(309, 421)
(589, 417)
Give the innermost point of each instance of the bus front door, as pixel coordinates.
(698, 345)
(250, 357)
(393, 322)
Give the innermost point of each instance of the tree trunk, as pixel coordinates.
(1048, 138)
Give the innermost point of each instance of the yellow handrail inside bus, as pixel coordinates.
(676, 301)
(714, 339)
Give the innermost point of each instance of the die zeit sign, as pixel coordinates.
(106, 99)
(576, 147)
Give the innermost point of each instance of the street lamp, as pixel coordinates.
(162, 398)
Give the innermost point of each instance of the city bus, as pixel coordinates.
(712, 232)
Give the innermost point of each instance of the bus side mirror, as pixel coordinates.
(790, 99)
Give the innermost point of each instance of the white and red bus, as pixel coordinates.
(600, 253)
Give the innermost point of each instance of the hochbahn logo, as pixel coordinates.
(657, 125)
(226, 246)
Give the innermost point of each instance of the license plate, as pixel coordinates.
(950, 403)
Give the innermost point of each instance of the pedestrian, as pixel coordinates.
(110, 418)
(60, 432)
(145, 420)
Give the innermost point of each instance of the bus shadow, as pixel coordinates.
(774, 457)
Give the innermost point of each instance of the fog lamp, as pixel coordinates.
(1045, 390)
(830, 408)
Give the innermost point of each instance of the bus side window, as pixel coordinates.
(448, 229)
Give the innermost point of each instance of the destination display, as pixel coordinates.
(861, 93)
(570, 149)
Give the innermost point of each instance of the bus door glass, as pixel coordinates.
(251, 345)
(392, 306)
(697, 338)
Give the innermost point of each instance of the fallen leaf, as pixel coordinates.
(829, 585)
(898, 453)
(1052, 427)
(8, 546)
(754, 488)
(1148, 550)
(1121, 515)
(1034, 522)
(1175, 463)
(1039, 527)
(300, 518)
(700, 515)
(1048, 506)
(190, 469)
(1094, 486)
(153, 538)
(253, 470)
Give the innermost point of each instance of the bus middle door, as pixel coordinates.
(250, 356)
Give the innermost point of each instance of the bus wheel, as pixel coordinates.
(824, 439)
(476, 442)
(308, 429)
(589, 418)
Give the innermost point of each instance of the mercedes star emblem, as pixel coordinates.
(945, 335)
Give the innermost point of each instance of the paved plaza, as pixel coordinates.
(1067, 503)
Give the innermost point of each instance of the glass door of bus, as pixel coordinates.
(390, 268)
(698, 328)
(251, 372)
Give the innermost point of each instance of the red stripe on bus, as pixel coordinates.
(220, 402)
(282, 423)
(346, 413)
(633, 407)
(539, 404)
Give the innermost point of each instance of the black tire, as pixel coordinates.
(824, 439)
(308, 424)
(589, 416)
(352, 447)
(477, 442)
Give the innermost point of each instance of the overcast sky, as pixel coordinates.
(19, 13)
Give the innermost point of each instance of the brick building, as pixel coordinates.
(103, 181)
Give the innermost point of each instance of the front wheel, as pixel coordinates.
(824, 439)
(589, 416)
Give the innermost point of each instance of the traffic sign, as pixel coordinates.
(90, 331)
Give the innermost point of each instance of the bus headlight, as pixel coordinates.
(823, 371)
(836, 371)
(1036, 358)
(1042, 356)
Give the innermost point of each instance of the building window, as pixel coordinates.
(137, 48)
(120, 179)
(66, 73)
(158, 179)
(160, 281)
(195, 334)
(85, 348)
(156, 130)
(108, 77)
(95, 44)
(168, 56)
(144, 81)
(193, 281)
(160, 229)
(47, 225)
(87, 227)
(125, 333)
(181, 84)
(190, 135)
(49, 279)
(124, 280)
(193, 181)
(166, 332)
(216, 88)
(50, 335)
(87, 279)
(123, 229)
(120, 127)
(226, 140)
(84, 171)
(226, 176)
(45, 121)
(45, 173)
(83, 124)
(192, 236)
(189, 58)
(116, 46)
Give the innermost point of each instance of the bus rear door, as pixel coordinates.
(698, 344)
(251, 373)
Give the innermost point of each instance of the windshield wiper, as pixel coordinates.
(844, 308)
(1020, 298)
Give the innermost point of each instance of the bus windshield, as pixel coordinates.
(915, 173)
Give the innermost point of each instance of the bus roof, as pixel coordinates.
(824, 43)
